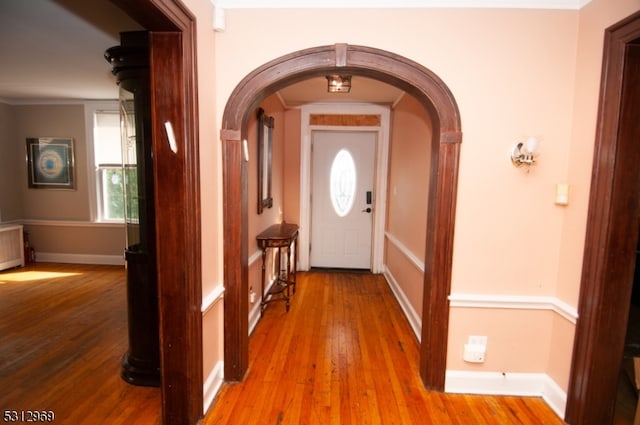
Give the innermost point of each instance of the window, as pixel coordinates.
(106, 158)
(342, 184)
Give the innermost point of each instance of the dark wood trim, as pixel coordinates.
(236, 269)
(351, 120)
(389, 68)
(438, 263)
(611, 236)
(177, 179)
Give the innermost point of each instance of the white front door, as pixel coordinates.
(342, 184)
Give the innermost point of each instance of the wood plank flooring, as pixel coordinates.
(62, 335)
(344, 354)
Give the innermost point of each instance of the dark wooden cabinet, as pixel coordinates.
(130, 61)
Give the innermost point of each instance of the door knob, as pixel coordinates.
(367, 210)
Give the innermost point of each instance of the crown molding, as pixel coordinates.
(400, 4)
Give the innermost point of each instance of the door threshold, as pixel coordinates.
(339, 270)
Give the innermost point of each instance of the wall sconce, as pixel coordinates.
(525, 153)
(338, 83)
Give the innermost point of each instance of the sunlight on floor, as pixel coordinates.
(30, 276)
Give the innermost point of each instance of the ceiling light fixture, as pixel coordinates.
(338, 83)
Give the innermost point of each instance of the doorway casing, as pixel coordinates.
(437, 100)
(380, 183)
(612, 233)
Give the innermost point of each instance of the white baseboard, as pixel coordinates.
(254, 315)
(52, 257)
(254, 310)
(515, 384)
(555, 396)
(415, 321)
(212, 385)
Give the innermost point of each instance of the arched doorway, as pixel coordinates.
(442, 108)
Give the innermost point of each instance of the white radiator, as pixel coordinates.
(11, 246)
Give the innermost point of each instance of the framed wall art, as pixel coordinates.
(50, 163)
(265, 135)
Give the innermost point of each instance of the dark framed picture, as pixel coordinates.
(50, 163)
(265, 135)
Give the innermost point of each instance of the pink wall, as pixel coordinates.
(513, 73)
(409, 169)
(291, 172)
(259, 222)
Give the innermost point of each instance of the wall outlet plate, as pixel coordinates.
(475, 349)
(472, 354)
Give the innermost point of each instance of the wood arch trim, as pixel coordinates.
(381, 65)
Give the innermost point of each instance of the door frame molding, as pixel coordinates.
(177, 180)
(437, 100)
(380, 176)
(611, 238)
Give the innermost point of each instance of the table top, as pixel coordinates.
(282, 231)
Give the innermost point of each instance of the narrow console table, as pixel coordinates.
(284, 238)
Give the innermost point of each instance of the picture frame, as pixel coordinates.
(50, 163)
(265, 136)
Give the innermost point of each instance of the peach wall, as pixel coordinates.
(409, 169)
(594, 18)
(511, 93)
(518, 340)
(409, 278)
(258, 222)
(511, 80)
(407, 200)
(514, 73)
(561, 346)
(210, 199)
(210, 147)
(291, 176)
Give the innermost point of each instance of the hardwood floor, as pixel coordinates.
(62, 335)
(344, 354)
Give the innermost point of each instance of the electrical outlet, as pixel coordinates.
(475, 349)
(252, 296)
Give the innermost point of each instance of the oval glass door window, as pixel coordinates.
(343, 182)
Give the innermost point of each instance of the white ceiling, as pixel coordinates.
(54, 49)
(362, 90)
